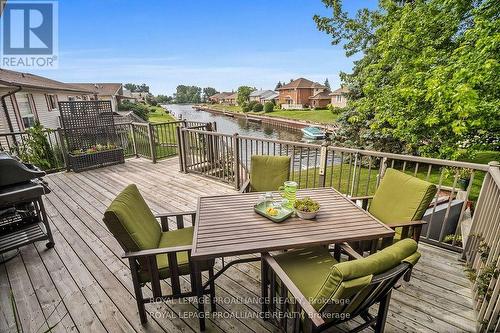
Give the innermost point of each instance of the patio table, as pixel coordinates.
(227, 225)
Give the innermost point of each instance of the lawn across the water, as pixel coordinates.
(317, 116)
(157, 114)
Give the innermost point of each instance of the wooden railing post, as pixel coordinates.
(323, 160)
(236, 161)
(64, 151)
(134, 143)
(151, 142)
(180, 148)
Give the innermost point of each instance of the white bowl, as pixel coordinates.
(306, 215)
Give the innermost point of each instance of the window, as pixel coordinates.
(339, 98)
(26, 111)
(52, 102)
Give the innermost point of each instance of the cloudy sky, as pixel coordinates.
(215, 43)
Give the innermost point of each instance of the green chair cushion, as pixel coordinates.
(324, 281)
(268, 173)
(401, 198)
(131, 222)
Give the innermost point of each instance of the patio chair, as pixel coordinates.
(267, 173)
(154, 252)
(321, 292)
(400, 202)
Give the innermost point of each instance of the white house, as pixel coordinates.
(25, 98)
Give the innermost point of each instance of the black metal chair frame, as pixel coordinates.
(379, 293)
(149, 256)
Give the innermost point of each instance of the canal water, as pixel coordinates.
(229, 125)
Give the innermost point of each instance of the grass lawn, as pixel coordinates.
(158, 115)
(317, 116)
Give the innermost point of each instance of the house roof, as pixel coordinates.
(302, 83)
(339, 91)
(321, 95)
(270, 96)
(221, 95)
(27, 80)
(104, 89)
(232, 96)
(262, 93)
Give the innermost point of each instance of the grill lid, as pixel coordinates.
(14, 172)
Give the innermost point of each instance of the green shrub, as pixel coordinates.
(245, 107)
(139, 109)
(36, 149)
(258, 107)
(251, 104)
(268, 107)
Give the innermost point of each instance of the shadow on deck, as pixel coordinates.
(83, 284)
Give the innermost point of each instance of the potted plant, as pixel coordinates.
(95, 156)
(463, 175)
(306, 208)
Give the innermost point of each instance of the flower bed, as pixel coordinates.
(95, 157)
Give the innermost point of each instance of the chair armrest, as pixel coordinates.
(245, 188)
(407, 224)
(170, 214)
(365, 197)
(152, 252)
(351, 253)
(292, 288)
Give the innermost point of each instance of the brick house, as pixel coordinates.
(321, 99)
(219, 97)
(297, 94)
(339, 97)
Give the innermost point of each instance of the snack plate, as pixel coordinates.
(283, 213)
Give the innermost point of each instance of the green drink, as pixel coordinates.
(289, 192)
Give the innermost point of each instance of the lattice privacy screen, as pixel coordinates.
(87, 123)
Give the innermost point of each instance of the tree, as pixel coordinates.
(164, 99)
(327, 84)
(278, 85)
(136, 87)
(187, 94)
(244, 94)
(207, 92)
(427, 81)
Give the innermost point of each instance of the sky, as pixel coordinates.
(218, 43)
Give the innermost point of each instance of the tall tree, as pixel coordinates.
(427, 81)
(207, 92)
(327, 84)
(187, 94)
(278, 85)
(244, 94)
(136, 87)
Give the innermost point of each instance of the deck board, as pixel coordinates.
(83, 285)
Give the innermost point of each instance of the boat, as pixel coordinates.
(315, 133)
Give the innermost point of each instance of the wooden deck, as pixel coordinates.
(82, 285)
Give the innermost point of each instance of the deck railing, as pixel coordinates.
(353, 172)
(483, 253)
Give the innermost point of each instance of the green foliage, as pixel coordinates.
(427, 82)
(278, 85)
(151, 100)
(244, 94)
(187, 94)
(448, 239)
(306, 205)
(140, 109)
(258, 107)
(245, 107)
(268, 107)
(136, 87)
(327, 83)
(207, 92)
(35, 148)
(483, 280)
(164, 99)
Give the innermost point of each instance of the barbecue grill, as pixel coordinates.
(23, 219)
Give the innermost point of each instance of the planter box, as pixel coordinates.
(96, 160)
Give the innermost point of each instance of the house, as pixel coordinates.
(261, 95)
(141, 96)
(231, 99)
(297, 94)
(320, 100)
(270, 98)
(106, 92)
(219, 97)
(26, 98)
(339, 97)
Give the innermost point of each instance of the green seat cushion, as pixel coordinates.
(324, 281)
(401, 198)
(131, 222)
(307, 268)
(268, 173)
(170, 239)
